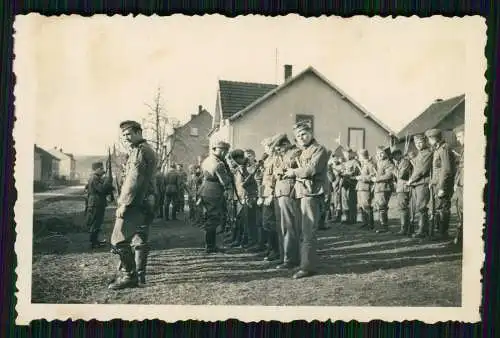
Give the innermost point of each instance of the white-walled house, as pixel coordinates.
(308, 96)
(67, 163)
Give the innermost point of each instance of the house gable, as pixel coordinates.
(434, 115)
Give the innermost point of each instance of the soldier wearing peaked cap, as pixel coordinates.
(419, 182)
(350, 169)
(383, 187)
(217, 186)
(98, 188)
(364, 189)
(442, 181)
(402, 172)
(136, 207)
(459, 185)
(310, 177)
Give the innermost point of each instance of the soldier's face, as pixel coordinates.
(432, 141)
(419, 144)
(100, 171)
(304, 137)
(460, 138)
(381, 155)
(131, 137)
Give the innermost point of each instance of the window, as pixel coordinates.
(356, 138)
(194, 131)
(309, 118)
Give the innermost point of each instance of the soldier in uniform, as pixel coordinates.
(98, 189)
(383, 187)
(412, 204)
(310, 177)
(350, 169)
(402, 172)
(194, 184)
(216, 187)
(336, 170)
(459, 186)
(286, 156)
(325, 206)
(419, 183)
(182, 187)
(160, 187)
(270, 211)
(135, 209)
(254, 169)
(442, 181)
(172, 188)
(364, 189)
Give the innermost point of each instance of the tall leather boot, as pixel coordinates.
(423, 225)
(445, 224)
(384, 224)
(141, 257)
(435, 225)
(338, 216)
(274, 253)
(364, 219)
(346, 217)
(458, 236)
(127, 274)
(209, 243)
(404, 219)
(371, 222)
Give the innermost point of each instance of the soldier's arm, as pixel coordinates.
(224, 177)
(446, 172)
(100, 187)
(404, 169)
(316, 165)
(133, 179)
(386, 174)
(424, 168)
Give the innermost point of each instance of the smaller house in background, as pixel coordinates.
(191, 142)
(46, 166)
(67, 164)
(441, 114)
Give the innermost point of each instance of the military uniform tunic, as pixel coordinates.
(420, 179)
(350, 169)
(383, 185)
(216, 182)
(443, 175)
(97, 190)
(402, 173)
(138, 194)
(309, 188)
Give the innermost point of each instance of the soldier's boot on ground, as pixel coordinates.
(445, 224)
(423, 226)
(211, 241)
(364, 220)
(338, 216)
(457, 240)
(411, 225)
(384, 222)
(435, 226)
(95, 243)
(127, 275)
(371, 221)
(260, 244)
(345, 219)
(141, 258)
(274, 254)
(404, 219)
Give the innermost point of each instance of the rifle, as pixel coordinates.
(110, 173)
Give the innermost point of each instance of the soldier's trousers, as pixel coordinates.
(459, 204)
(161, 203)
(310, 209)
(272, 225)
(289, 229)
(422, 198)
(403, 202)
(364, 199)
(214, 216)
(180, 202)
(95, 218)
(348, 196)
(336, 202)
(170, 200)
(413, 206)
(325, 207)
(381, 205)
(441, 212)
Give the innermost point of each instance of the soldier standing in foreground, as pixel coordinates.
(286, 158)
(442, 181)
(364, 189)
(135, 209)
(215, 188)
(402, 173)
(419, 182)
(459, 186)
(97, 191)
(383, 187)
(310, 179)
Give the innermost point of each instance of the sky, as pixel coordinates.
(91, 73)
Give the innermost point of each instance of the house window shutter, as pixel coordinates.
(304, 117)
(356, 138)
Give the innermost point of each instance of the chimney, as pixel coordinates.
(200, 109)
(438, 100)
(288, 72)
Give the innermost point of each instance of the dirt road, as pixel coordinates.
(357, 269)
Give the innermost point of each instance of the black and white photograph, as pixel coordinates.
(270, 168)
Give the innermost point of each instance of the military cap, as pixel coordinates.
(459, 129)
(418, 137)
(221, 144)
(433, 133)
(363, 153)
(301, 126)
(279, 139)
(97, 165)
(348, 150)
(129, 124)
(237, 153)
(250, 151)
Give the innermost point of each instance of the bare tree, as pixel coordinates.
(159, 130)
